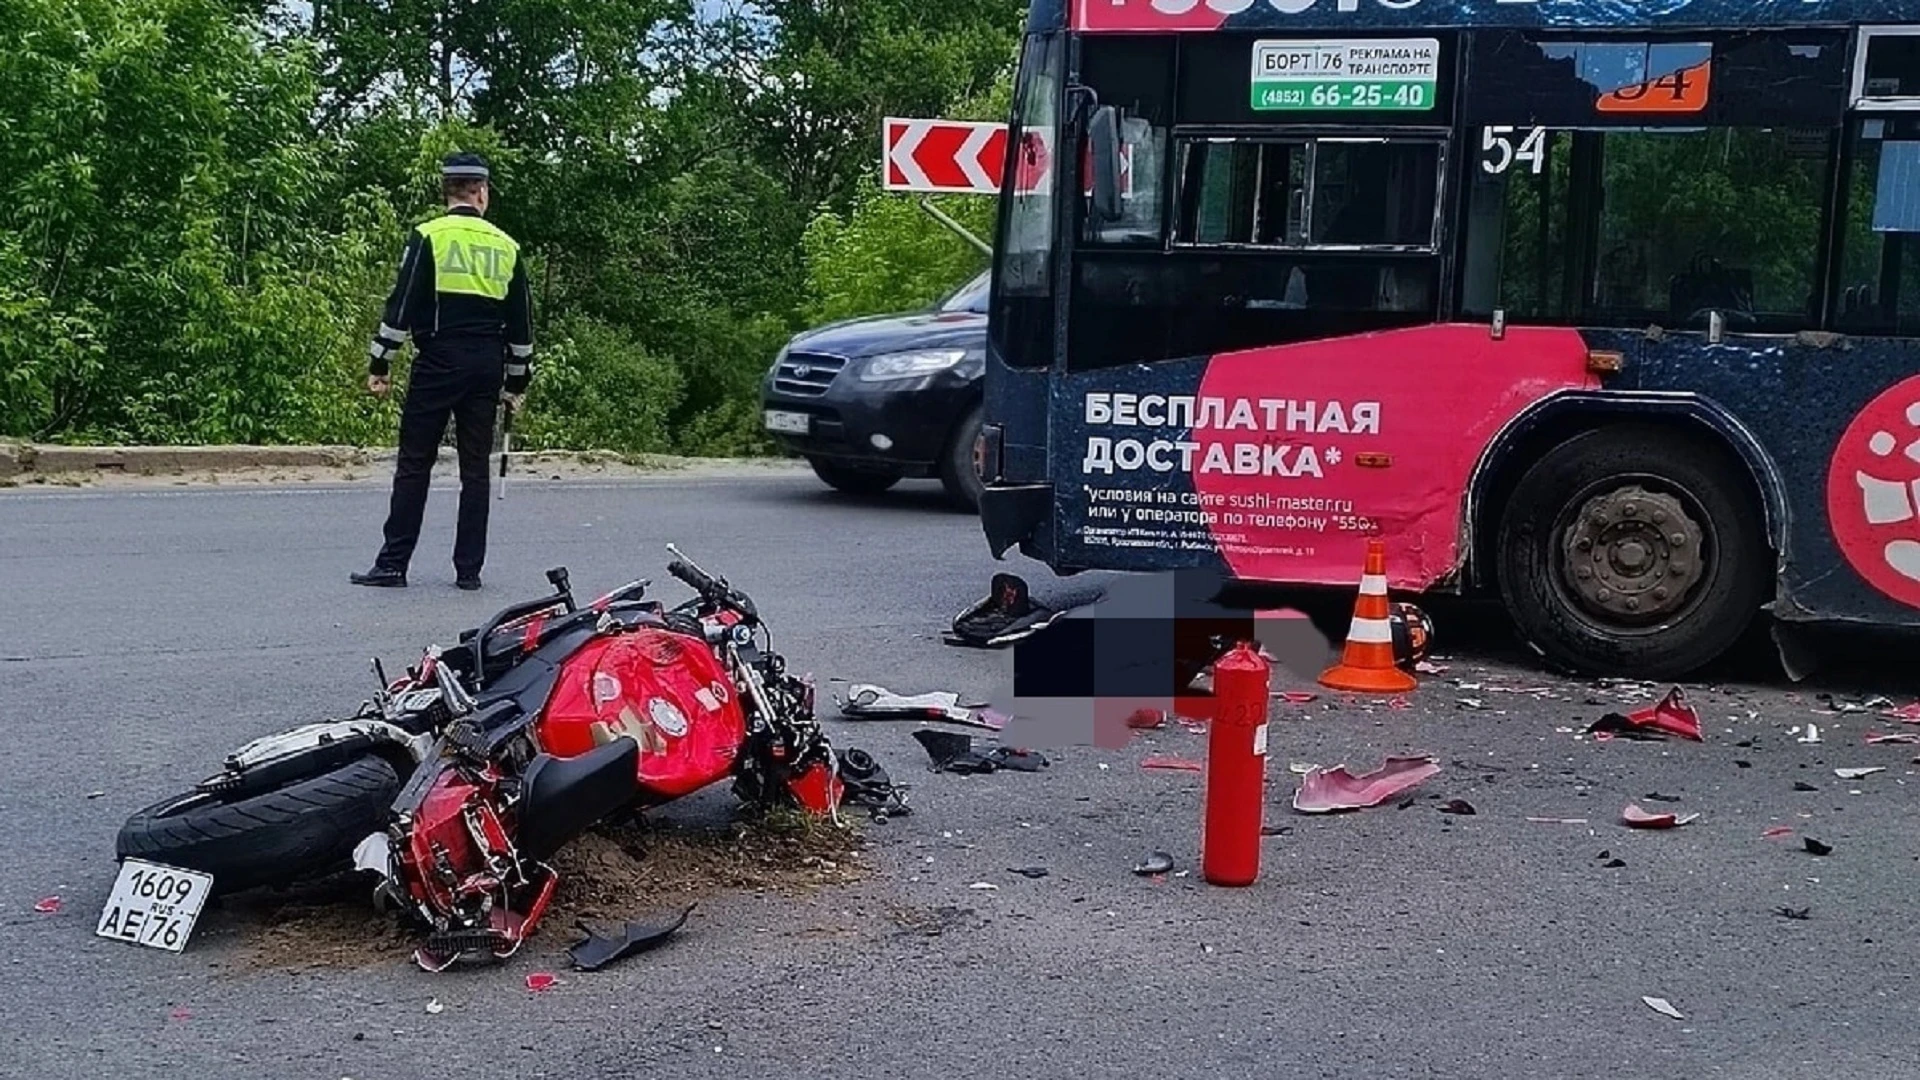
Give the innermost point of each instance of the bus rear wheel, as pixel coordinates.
(1633, 550)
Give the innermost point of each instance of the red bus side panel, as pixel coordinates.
(1283, 461)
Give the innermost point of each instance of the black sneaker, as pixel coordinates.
(381, 579)
(468, 582)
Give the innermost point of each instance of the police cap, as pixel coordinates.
(464, 167)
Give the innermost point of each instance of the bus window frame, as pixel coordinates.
(1182, 138)
(1857, 99)
(1059, 52)
(1838, 164)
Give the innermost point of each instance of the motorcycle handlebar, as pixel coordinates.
(713, 590)
(699, 581)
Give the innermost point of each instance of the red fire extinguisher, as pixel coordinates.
(1236, 769)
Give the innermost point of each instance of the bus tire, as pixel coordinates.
(852, 481)
(958, 473)
(1588, 532)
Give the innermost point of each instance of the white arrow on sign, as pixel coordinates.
(969, 159)
(901, 156)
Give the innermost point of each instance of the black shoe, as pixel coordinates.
(469, 582)
(381, 579)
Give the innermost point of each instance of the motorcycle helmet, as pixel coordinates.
(1412, 633)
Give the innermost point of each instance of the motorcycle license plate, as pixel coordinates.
(154, 905)
(792, 423)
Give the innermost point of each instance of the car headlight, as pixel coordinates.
(778, 359)
(907, 365)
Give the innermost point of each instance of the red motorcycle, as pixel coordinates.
(460, 780)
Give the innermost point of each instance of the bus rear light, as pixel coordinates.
(986, 453)
(1605, 363)
(1373, 461)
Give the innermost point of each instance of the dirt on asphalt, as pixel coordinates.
(616, 873)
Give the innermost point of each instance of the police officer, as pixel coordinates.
(462, 299)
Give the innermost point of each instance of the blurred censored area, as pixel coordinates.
(1141, 645)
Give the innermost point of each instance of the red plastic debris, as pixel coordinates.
(1296, 697)
(1635, 818)
(1906, 713)
(1777, 832)
(1877, 737)
(1323, 791)
(181, 1013)
(1399, 703)
(47, 906)
(1178, 764)
(539, 981)
(1147, 718)
(1673, 715)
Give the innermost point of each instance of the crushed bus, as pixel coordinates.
(1604, 307)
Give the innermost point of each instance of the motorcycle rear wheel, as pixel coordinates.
(304, 829)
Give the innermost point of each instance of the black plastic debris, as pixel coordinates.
(1028, 871)
(1818, 848)
(944, 746)
(1007, 614)
(953, 752)
(1613, 864)
(867, 785)
(1793, 912)
(1158, 862)
(1457, 806)
(1744, 764)
(1655, 796)
(1006, 757)
(1276, 830)
(1802, 785)
(599, 950)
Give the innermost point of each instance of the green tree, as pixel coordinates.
(159, 174)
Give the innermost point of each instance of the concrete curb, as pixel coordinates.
(25, 461)
(21, 458)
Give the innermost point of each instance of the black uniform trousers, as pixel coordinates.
(459, 378)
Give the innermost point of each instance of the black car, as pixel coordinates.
(869, 402)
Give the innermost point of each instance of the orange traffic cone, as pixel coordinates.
(1367, 665)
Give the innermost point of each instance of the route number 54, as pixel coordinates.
(1504, 147)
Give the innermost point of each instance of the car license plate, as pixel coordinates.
(792, 423)
(154, 905)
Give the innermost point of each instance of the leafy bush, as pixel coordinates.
(597, 389)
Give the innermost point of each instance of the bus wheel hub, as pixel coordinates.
(1633, 554)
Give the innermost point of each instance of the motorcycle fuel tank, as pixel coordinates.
(666, 691)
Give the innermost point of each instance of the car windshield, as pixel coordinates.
(969, 297)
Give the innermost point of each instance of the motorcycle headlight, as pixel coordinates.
(911, 364)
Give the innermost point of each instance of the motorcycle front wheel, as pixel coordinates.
(302, 829)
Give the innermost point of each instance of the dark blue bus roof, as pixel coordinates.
(1097, 16)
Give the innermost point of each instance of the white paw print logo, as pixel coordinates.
(1891, 502)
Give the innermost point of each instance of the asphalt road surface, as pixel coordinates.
(146, 632)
